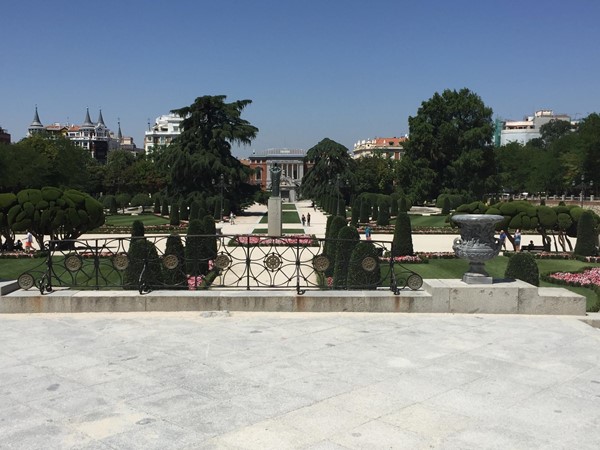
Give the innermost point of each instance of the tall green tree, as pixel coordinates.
(451, 135)
(202, 152)
(329, 160)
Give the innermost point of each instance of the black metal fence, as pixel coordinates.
(215, 261)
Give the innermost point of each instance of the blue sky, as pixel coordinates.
(342, 69)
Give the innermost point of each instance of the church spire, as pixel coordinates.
(119, 134)
(87, 123)
(36, 120)
(36, 126)
(101, 119)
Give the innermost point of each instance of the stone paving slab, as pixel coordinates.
(196, 380)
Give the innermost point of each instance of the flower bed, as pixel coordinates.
(589, 259)
(546, 255)
(16, 255)
(589, 277)
(297, 239)
(407, 259)
(437, 255)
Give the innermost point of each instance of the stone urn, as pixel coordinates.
(477, 244)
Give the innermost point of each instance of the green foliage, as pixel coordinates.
(332, 231)
(142, 200)
(451, 136)
(394, 204)
(165, 208)
(142, 252)
(355, 211)
(365, 210)
(383, 203)
(348, 239)
(454, 200)
(329, 159)
(123, 200)
(184, 212)
(359, 278)
(175, 277)
(156, 209)
(195, 210)
(210, 128)
(587, 235)
(174, 214)
(193, 247)
(446, 208)
(523, 266)
(402, 244)
(66, 215)
(137, 228)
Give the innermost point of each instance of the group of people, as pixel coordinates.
(516, 240)
(306, 219)
(18, 246)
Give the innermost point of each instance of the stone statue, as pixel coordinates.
(275, 180)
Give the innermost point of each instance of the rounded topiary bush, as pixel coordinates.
(365, 210)
(137, 228)
(358, 277)
(165, 208)
(523, 266)
(383, 217)
(586, 235)
(348, 239)
(446, 206)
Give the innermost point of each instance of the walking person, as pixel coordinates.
(517, 239)
(308, 219)
(303, 220)
(29, 242)
(502, 239)
(368, 233)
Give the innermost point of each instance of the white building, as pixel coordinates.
(388, 147)
(165, 129)
(525, 130)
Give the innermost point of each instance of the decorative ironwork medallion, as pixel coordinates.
(222, 261)
(414, 282)
(369, 263)
(170, 262)
(321, 263)
(120, 262)
(73, 263)
(273, 262)
(26, 281)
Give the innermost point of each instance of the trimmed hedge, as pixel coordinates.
(523, 266)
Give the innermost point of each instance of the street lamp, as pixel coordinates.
(583, 186)
(222, 184)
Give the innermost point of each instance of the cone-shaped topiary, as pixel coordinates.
(355, 211)
(193, 247)
(137, 228)
(175, 278)
(522, 266)
(402, 244)
(383, 218)
(156, 209)
(142, 252)
(165, 208)
(194, 210)
(446, 207)
(337, 223)
(184, 212)
(586, 235)
(348, 239)
(364, 255)
(365, 210)
(174, 215)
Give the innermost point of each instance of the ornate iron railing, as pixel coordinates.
(212, 261)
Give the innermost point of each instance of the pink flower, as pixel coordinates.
(586, 278)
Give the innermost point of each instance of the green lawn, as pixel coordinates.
(288, 207)
(124, 220)
(286, 217)
(285, 231)
(428, 221)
